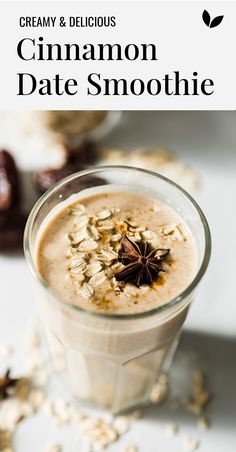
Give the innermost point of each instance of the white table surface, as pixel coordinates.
(208, 142)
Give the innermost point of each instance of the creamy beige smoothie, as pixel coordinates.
(79, 253)
(118, 255)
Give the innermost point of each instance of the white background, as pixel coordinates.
(207, 141)
(184, 42)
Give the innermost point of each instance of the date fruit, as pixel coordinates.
(9, 182)
(88, 182)
(12, 224)
(46, 178)
(86, 153)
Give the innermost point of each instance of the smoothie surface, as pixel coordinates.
(79, 250)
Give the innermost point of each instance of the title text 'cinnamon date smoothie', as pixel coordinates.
(118, 253)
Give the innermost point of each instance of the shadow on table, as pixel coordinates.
(216, 356)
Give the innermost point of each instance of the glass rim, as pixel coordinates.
(173, 302)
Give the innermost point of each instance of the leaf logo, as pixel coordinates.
(211, 23)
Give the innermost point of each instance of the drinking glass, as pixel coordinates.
(113, 360)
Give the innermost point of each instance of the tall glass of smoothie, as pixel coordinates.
(117, 254)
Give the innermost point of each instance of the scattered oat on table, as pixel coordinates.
(160, 390)
(200, 397)
(191, 444)
(6, 351)
(97, 434)
(130, 448)
(171, 429)
(32, 339)
(53, 448)
(203, 423)
(121, 424)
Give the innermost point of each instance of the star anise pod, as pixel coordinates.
(6, 385)
(142, 263)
